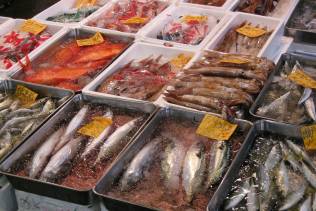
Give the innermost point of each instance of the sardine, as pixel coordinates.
(116, 140)
(310, 108)
(140, 163)
(43, 153)
(290, 157)
(282, 179)
(293, 198)
(72, 127)
(266, 188)
(61, 160)
(21, 112)
(238, 196)
(309, 175)
(219, 156)
(6, 103)
(171, 164)
(275, 105)
(94, 143)
(301, 154)
(273, 159)
(193, 170)
(307, 204)
(252, 199)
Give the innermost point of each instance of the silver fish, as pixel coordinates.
(94, 143)
(238, 196)
(273, 159)
(193, 170)
(252, 200)
(219, 156)
(60, 161)
(309, 175)
(282, 179)
(306, 94)
(21, 112)
(6, 103)
(140, 163)
(266, 188)
(43, 153)
(115, 142)
(293, 198)
(48, 106)
(307, 204)
(72, 127)
(171, 164)
(310, 108)
(301, 154)
(290, 157)
(39, 103)
(275, 105)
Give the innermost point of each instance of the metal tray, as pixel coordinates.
(129, 153)
(259, 127)
(76, 33)
(53, 190)
(9, 86)
(299, 35)
(292, 57)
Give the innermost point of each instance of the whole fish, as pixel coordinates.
(310, 108)
(94, 143)
(171, 164)
(115, 141)
(193, 170)
(238, 196)
(307, 204)
(219, 156)
(301, 154)
(309, 175)
(21, 112)
(266, 188)
(290, 157)
(282, 179)
(293, 198)
(275, 105)
(140, 163)
(252, 200)
(273, 159)
(72, 127)
(39, 103)
(61, 160)
(44, 152)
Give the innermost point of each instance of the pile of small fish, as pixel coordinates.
(143, 80)
(286, 101)
(187, 29)
(129, 15)
(17, 44)
(235, 42)
(264, 7)
(65, 147)
(217, 3)
(285, 180)
(304, 16)
(70, 66)
(17, 120)
(218, 81)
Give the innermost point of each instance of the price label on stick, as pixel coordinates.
(95, 127)
(135, 20)
(25, 95)
(95, 40)
(251, 31)
(216, 128)
(299, 77)
(234, 60)
(33, 27)
(308, 134)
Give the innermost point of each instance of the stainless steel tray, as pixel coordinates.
(259, 128)
(53, 190)
(105, 184)
(9, 86)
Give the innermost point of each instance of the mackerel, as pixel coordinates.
(282, 179)
(293, 198)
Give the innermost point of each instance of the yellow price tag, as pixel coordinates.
(135, 20)
(301, 78)
(32, 26)
(85, 3)
(251, 31)
(191, 18)
(233, 60)
(95, 127)
(25, 95)
(216, 128)
(180, 60)
(308, 134)
(95, 40)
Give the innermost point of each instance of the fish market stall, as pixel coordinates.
(70, 65)
(148, 173)
(141, 76)
(70, 11)
(69, 154)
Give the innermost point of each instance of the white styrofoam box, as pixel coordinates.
(108, 7)
(61, 7)
(283, 10)
(228, 5)
(15, 24)
(150, 32)
(283, 47)
(271, 23)
(136, 52)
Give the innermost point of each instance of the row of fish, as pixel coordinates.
(236, 42)
(216, 82)
(263, 7)
(129, 15)
(284, 181)
(304, 16)
(55, 156)
(70, 66)
(18, 120)
(287, 101)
